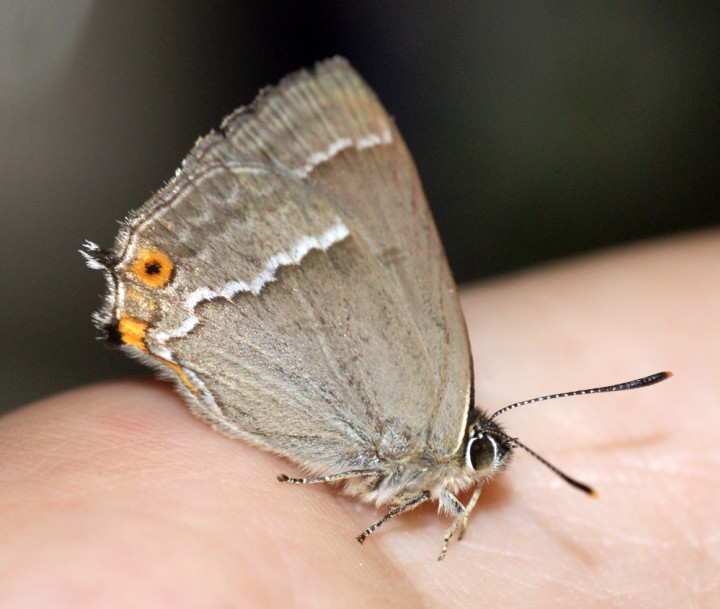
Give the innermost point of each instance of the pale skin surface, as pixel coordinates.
(115, 496)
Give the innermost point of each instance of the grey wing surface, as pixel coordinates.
(320, 319)
(328, 123)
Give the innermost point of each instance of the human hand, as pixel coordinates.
(115, 496)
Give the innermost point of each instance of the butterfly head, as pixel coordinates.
(487, 448)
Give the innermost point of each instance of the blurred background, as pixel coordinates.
(541, 130)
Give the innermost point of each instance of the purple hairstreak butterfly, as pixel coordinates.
(290, 280)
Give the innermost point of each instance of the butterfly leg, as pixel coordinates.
(353, 473)
(411, 504)
(452, 503)
(468, 510)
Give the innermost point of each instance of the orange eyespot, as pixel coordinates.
(153, 268)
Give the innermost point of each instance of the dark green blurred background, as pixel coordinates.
(541, 130)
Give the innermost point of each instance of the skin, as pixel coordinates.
(115, 496)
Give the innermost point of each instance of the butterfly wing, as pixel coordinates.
(310, 308)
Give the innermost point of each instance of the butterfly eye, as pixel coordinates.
(482, 453)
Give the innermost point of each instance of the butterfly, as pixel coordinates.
(291, 282)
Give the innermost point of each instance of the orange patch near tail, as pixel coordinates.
(132, 332)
